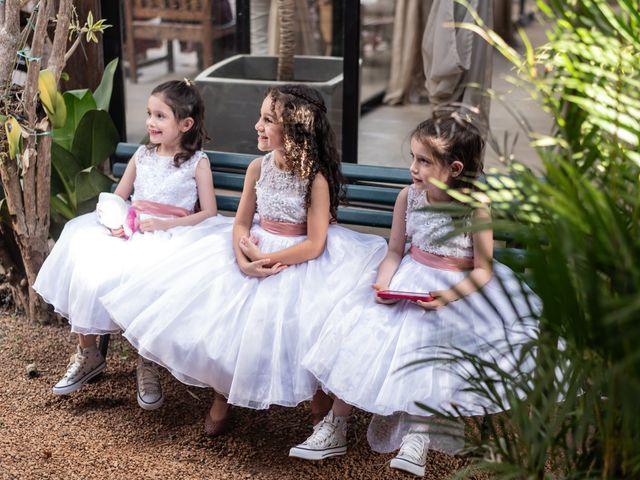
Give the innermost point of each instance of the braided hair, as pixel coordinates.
(309, 140)
(185, 101)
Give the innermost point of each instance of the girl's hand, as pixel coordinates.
(153, 224)
(258, 268)
(386, 301)
(117, 232)
(249, 246)
(440, 299)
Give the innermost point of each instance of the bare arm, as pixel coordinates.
(242, 226)
(125, 186)
(397, 239)
(125, 189)
(246, 210)
(482, 267)
(317, 226)
(206, 196)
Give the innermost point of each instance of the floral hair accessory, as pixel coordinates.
(188, 81)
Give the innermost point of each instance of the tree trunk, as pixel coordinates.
(14, 274)
(9, 39)
(286, 14)
(26, 179)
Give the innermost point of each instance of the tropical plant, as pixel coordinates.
(87, 138)
(25, 140)
(572, 397)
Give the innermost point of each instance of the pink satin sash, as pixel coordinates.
(456, 264)
(151, 208)
(155, 208)
(283, 228)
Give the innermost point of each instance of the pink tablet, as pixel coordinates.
(397, 294)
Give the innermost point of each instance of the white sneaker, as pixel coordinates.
(149, 389)
(412, 456)
(85, 364)
(329, 439)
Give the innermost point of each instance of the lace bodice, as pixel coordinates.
(428, 229)
(280, 195)
(158, 180)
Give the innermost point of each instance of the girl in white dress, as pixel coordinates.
(168, 178)
(363, 347)
(238, 313)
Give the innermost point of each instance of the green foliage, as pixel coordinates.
(572, 398)
(87, 138)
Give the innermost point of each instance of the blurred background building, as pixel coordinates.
(399, 59)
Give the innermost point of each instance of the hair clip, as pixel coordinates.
(188, 81)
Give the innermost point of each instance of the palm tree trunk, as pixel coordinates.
(286, 14)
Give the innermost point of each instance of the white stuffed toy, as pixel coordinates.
(113, 212)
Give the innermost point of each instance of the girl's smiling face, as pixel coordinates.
(163, 127)
(269, 127)
(424, 167)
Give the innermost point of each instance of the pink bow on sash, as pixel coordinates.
(283, 228)
(132, 222)
(456, 264)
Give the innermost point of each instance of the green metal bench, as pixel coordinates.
(371, 194)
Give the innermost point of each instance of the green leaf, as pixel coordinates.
(13, 131)
(95, 139)
(58, 116)
(78, 93)
(64, 169)
(78, 102)
(103, 92)
(62, 208)
(89, 183)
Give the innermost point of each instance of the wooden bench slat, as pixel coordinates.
(227, 203)
(373, 173)
(228, 181)
(372, 194)
(230, 160)
(355, 216)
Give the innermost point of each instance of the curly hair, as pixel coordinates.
(452, 135)
(309, 140)
(185, 101)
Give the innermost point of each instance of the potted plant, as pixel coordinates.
(233, 88)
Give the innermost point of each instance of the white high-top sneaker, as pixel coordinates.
(412, 456)
(148, 385)
(85, 364)
(329, 439)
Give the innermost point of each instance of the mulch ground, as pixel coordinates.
(100, 432)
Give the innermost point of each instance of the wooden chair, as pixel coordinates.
(186, 20)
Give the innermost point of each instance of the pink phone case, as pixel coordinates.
(413, 296)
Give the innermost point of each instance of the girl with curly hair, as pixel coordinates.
(239, 315)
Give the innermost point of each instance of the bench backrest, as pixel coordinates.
(371, 193)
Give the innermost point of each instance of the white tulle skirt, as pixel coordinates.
(88, 262)
(209, 324)
(373, 356)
